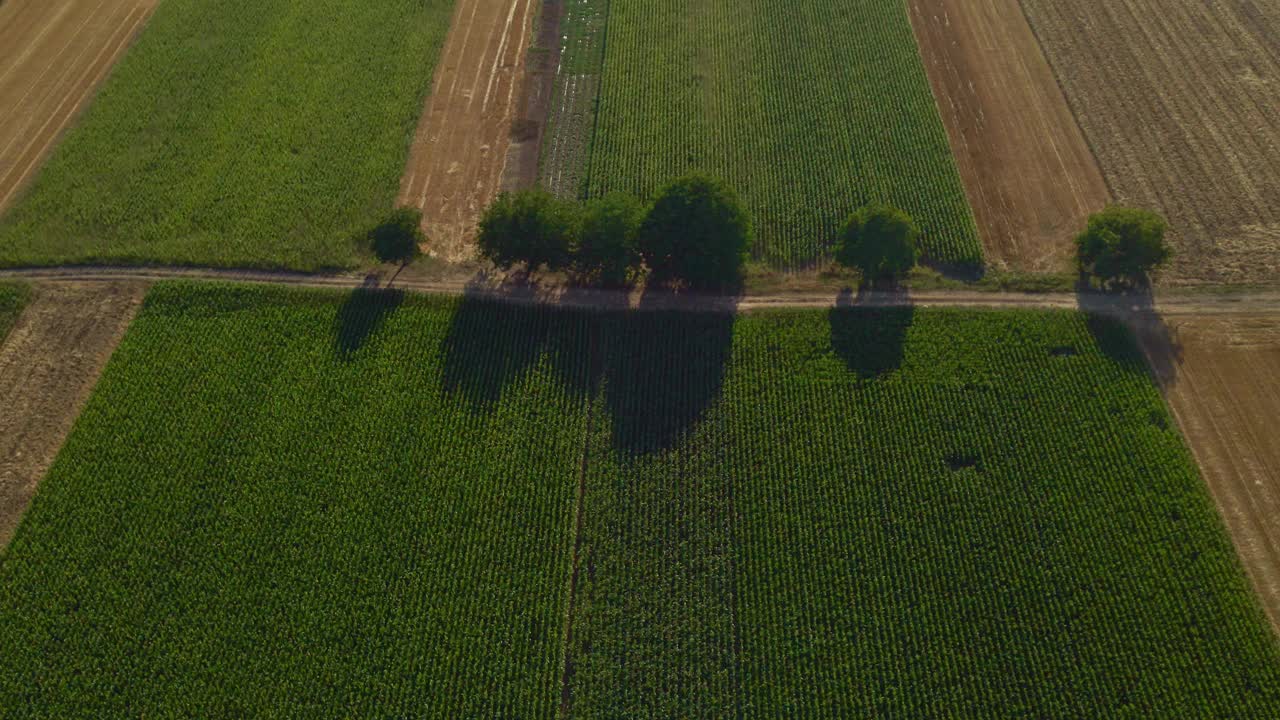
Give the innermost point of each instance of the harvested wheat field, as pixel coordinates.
(1221, 376)
(1028, 173)
(1178, 99)
(459, 151)
(48, 366)
(52, 57)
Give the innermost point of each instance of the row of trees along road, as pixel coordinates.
(696, 234)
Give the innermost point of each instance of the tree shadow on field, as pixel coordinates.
(361, 314)
(494, 340)
(663, 368)
(1127, 329)
(869, 331)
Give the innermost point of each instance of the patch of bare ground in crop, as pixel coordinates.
(48, 366)
(1180, 101)
(459, 151)
(1221, 377)
(53, 56)
(1030, 177)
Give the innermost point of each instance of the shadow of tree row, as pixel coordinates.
(658, 370)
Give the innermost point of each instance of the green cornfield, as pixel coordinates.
(304, 503)
(245, 133)
(809, 109)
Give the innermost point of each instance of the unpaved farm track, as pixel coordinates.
(1180, 100)
(53, 55)
(460, 148)
(48, 366)
(1222, 384)
(1029, 174)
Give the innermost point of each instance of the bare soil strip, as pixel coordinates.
(53, 55)
(1178, 99)
(1029, 174)
(48, 366)
(1222, 384)
(459, 152)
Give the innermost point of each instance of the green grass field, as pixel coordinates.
(809, 109)
(300, 503)
(13, 297)
(263, 133)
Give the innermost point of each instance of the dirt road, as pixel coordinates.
(1030, 177)
(1221, 378)
(48, 366)
(53, 55)
(459, 152)
(1179, 100)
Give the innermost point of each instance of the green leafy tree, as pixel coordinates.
(697, 232)
(399, 238)
(532, 227)
(1122, 245)
(606, 250)
(880, 241)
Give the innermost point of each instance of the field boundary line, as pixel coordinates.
(594, 363)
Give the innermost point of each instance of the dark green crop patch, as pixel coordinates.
(302, 503)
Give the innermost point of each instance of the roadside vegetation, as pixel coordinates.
(13, 297)
(1122, 246)
(247, 133)
(281, 502)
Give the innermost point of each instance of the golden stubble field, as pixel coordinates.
(1180, 101)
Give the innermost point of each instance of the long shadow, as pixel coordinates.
(498, 335)
(662, 369)
(1125, 325)
(869, 330)
(361, 314)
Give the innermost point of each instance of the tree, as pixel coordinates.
(399, 237)
(606, 249)
(532, 227)
(1122, 245)
(695, 232)
(880, 241)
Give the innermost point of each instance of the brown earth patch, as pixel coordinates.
(459, 151)
(1180, 101)
(48, 366)
(1221, 377)
(1029, 174)
(53, 55)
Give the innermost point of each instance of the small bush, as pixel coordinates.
(880, 241)
(399, 238)
(532, 227)
(606, 250)
(696, 232)
(1122, 245)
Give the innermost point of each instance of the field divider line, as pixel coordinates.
(594, 362)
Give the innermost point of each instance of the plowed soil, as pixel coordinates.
(460, 149)
(1179, 100)
(1027, 170)
(53, 55)
(48, 366)
(1222, 380)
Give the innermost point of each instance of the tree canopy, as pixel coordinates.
(1122, 245)
(696, 232)
(532, 227)
(880, 241)
(399, 237)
